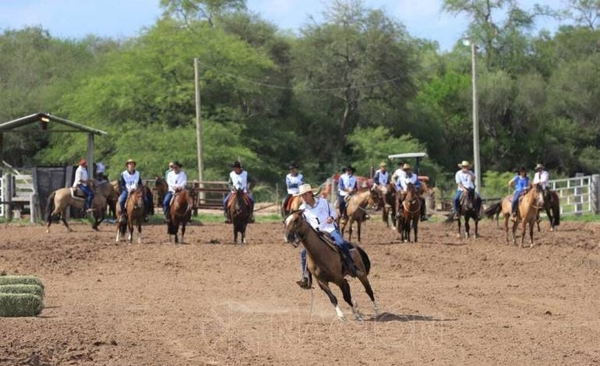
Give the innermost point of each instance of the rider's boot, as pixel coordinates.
(227, 219)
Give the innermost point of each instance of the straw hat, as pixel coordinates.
(464, 164)
(539, 166)
(406, 167)
(130, 161)
(305, 188)
(383, 164)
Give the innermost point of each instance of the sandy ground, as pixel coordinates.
(446, 300)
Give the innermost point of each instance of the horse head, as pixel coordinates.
(377, 196)
(539, 194)
(292, 227)
(138, 197)
(468, 199)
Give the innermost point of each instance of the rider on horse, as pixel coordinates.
(321, 216)
(100, 176)
(347, 186)
(176, 180)
(81, 182)
(520, 183)
(382, 176)
(131, 179)
(293, 180)
(402, 185)
(239, 179)
(398, 174)
(465, 179)
(169, 169)
(541, 177)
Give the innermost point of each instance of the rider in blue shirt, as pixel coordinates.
(520, 183)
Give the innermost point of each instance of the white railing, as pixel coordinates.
(577, 195)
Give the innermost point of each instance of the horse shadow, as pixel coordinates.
(391, 317)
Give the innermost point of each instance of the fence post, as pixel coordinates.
(8, 195)
(578, 198)
(595, 196)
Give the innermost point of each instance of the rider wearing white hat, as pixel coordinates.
(130, 180)
(412, 178)
(321, 216)
(465, 179)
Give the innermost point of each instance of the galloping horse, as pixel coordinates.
(411, 213)
(467, 209)
(384, 196)
(238, 208)
(325, 263)
(530, 202)
(552, 208)
(134, 208)
(180, 213)
(62, 198)
(356, 210)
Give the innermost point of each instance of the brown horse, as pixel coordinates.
(238, 209)
(325, 263)
(62, 198)
(160, 184)
(134, 208)
(467, 209)
(180, 213)
(552, 208)
(356, 208)
(384, 197)
(113, 200)
(409, 213)
(530, 202)
(292, 205)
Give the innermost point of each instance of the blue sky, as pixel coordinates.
(126, 18)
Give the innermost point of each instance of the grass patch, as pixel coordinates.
(17, 305)
(580, 218)
(22, 289)
(20, 280)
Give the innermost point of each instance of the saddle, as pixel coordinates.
(232, 198)
(77, 193)
(288, 206)
(348, 197)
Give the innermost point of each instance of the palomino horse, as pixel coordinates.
(467, 208)
(238, 209)
(384, 197)
(325, 263)
(134, 211)
(62, 198)
(529, 204)
(409, 213)
(292, 205)
(356, 208)
(180, 213)
(552, 208)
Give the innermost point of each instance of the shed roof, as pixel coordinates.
(45, 117)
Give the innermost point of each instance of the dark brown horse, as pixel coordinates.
(61, 199)
(409, 213)
(160, 184)
(552, 208)
(134, 209)
(467, 209)
(238, 209)
(325, 264)
(180, 213)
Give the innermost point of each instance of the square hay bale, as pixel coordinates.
(19, 305)
(21, 280)
(22, 289)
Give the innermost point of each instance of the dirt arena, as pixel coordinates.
(446, 301)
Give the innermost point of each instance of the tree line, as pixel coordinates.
(351, 89)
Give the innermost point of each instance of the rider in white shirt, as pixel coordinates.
(81, 182)
(130, 180)
(399, 174)
(176, 180)
(239, 179)
(465, 180)
(347, 185)
(541, 176)
(412, 178)
(321, 216)
(292, 181)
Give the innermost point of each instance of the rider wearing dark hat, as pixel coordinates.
(239, 179)
(292, 181)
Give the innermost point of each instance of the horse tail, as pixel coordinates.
(556, 211)
(50, 206)
(365, 259)
(494, 209)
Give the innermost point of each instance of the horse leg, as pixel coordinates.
(64, 220)
(358, 226)
(350, 223)
(415, 228)
(367, 285)
(506, 229)
(467, 226)
(325, 287)
(139, 229)
(345, 287)
(235, 234)
(459, 227)
(550, 218)
(385, 215)
(183, 224)
(531, 234)
(130, 230)
(476, 228)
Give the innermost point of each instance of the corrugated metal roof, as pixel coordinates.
(19, 122)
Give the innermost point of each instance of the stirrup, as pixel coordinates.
(303, 283)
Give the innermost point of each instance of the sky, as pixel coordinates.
(127, 18)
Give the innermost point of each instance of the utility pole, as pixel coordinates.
(476, 155)
(198, 125)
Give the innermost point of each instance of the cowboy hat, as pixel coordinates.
(130, 161)
(292, 166)
(383, 164)
(82, 162)
(305, 188)
(350, 168)
(539, 166)
(464, 164)
(236, 164)
(406, 167)
(177, 164)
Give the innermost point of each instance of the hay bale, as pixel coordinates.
(14, 305)
(22, 289)
(20, 280)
